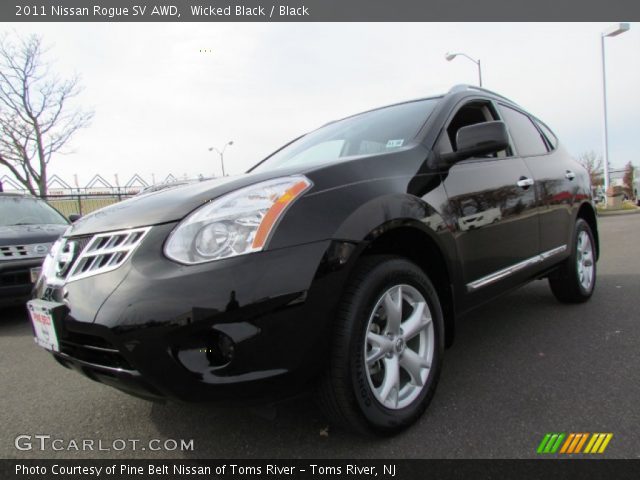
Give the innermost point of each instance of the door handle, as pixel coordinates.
(525, 182)
(569, 175)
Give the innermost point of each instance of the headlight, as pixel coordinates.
(234, 224)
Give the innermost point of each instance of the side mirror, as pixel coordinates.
(479, 139)
(74, 217)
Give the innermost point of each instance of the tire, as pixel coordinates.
(569, 283)
(353, 393)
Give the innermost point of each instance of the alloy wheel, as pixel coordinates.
(584, 259)
(399, 346)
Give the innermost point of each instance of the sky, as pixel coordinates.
(163, 93)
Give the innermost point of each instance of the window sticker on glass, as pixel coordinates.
(395, 143)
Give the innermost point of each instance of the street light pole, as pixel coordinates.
(451, 56)
(221, 153)
(612, 31)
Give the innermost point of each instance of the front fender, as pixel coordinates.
(390, 211)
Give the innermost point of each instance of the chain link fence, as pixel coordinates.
(82, 204)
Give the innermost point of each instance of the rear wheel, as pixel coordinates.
(575, 279)
(387, 348)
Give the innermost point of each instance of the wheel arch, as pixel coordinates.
(414, 241)
(588, 214)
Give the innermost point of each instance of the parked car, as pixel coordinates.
(28, 228)
(337, 263)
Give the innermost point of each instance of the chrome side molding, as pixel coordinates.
(505, 272)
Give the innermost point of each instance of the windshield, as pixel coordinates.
(27, 211)
(378, 131)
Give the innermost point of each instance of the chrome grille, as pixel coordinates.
(15, 252)
(80, 257)
(106, 252)
(68, 254)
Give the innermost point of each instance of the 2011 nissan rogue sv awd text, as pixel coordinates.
(342, 261)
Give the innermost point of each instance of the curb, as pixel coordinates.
(614, 213)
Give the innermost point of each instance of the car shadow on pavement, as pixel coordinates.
(298, 429)
(512, 358)
(14, 321)
(234, 432)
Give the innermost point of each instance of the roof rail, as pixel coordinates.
(463, 87)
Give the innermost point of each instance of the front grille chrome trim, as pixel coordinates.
(106, 252)
(99, 253)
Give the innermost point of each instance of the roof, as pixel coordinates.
(464, 87)
(455, 89)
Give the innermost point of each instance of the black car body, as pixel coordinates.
(28, 228)
(463, 208)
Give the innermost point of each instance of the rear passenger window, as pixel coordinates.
(524, 133)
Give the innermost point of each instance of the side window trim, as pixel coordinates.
(552, 143)
(513, 148)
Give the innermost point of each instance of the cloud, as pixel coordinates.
(161, 101)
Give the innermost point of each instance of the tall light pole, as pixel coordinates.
(451, 56)
(221, 153)
(612, 31)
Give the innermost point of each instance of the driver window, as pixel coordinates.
(470, 114)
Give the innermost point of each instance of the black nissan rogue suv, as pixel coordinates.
(342, 261)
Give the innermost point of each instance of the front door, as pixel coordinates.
(492, 204)
(497, 223)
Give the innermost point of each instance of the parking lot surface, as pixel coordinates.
(521, 366)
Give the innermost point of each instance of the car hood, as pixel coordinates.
(27, 234)
(165, 205)
(174, 204)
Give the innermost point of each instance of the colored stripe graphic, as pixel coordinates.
(573, 448)
(573, 442)
(598, 443)
(543, 443)
(551, 442)
(565, 447)
(581, 442)
(556, 446)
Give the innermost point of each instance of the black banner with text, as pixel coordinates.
(316, 469)
(316, 10)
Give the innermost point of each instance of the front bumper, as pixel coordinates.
(247, 327)
(15, 280)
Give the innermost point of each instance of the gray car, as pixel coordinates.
(28, 228)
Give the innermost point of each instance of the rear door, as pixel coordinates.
(555, 179)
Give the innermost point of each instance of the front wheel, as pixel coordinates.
(575, 280)
(387, 348)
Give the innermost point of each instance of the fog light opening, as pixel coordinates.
(221, 350)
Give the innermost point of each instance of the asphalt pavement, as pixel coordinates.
(521, 366)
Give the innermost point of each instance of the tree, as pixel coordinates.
(627, 180)
(36, 118)
(593, 164)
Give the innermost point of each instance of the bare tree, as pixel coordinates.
(593, 165)
(36, 118)
(627, 180)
